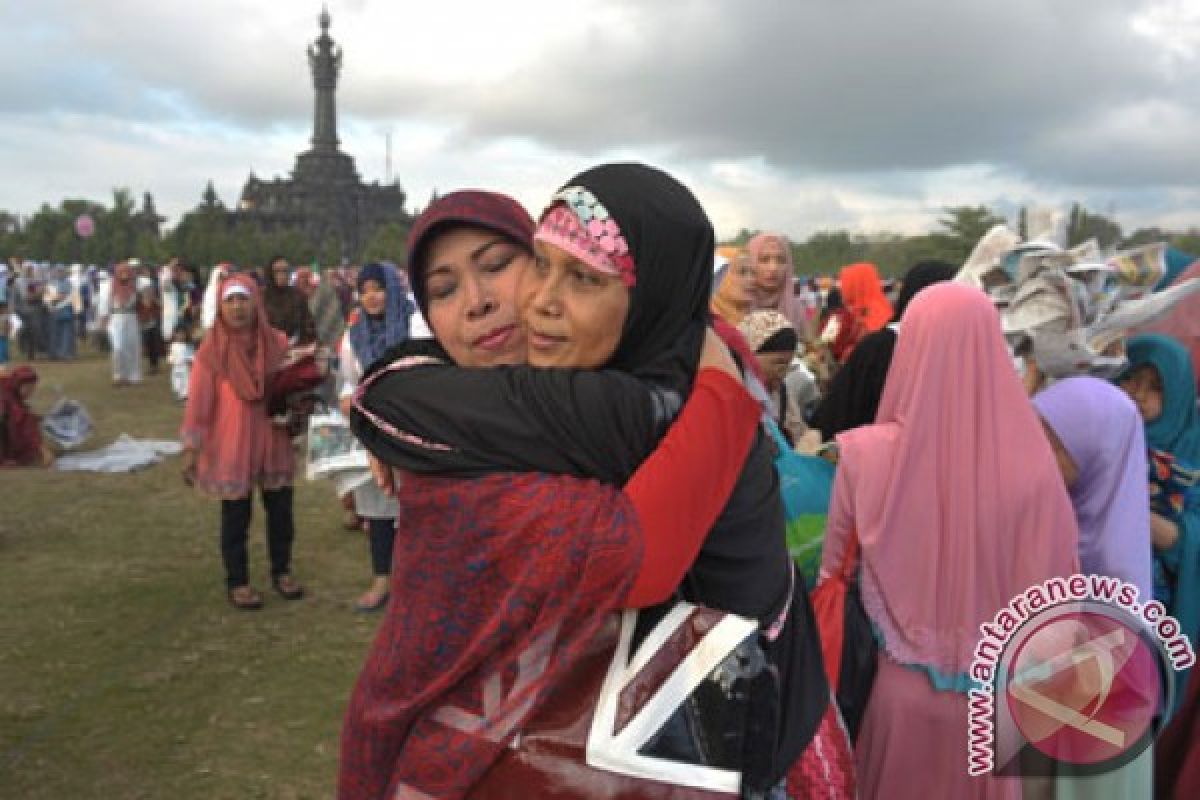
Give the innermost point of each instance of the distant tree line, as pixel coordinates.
(205, 237)
(958, 230)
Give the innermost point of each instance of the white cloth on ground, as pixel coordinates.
(126, 454)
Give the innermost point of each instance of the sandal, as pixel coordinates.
(287, 587)
(245, 598)
(371, 601)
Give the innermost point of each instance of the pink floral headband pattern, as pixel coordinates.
(581, 225)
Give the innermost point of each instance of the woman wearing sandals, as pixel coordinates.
(383, 300)
(231, 445)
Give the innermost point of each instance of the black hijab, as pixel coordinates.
(854, 393)
(599, 424)
(919, 276)
(672, 242)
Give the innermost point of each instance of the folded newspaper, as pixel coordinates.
(1072, 306)
(333, 453)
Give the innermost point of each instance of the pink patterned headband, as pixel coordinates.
(580, 225)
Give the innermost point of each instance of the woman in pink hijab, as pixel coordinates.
(775, 279)
(959, 507)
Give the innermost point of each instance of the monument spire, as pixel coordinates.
(325, 60)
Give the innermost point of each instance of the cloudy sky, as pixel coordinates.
(796, 115)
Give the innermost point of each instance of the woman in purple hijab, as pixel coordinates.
(1097, 435)
(1101, 447)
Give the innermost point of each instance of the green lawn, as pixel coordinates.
(124, 672)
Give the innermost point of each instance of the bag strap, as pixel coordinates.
(850, 556)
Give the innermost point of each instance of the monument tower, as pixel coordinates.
(324, 198)
(325, 61)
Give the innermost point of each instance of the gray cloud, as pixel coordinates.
(1061, 97)
(859, 86)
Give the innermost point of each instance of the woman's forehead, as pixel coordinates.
(459, 246)
(550, 250)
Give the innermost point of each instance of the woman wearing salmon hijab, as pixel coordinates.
(958, 506)
(771, 257)
(231, 446)
(862, 292)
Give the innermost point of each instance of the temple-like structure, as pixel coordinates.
(324, 198)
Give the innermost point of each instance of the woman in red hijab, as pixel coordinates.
(231, 445)
(20, 433)
(862, 292)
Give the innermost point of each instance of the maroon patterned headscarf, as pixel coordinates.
(491, 211)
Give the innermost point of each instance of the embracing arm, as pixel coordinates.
(425, 415)
(681, 489)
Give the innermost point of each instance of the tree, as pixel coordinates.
(827, 251)
(961, 229)
(1083, 225)
(1187, 242)
(149, 248)
(387, 243)
(743, 237)
(1145, 236)
(330, 252)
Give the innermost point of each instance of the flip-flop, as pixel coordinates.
(370, 608)
(253, 603)
(293, 591)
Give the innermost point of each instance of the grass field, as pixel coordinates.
(124, 672)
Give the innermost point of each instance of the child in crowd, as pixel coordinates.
(180, 358)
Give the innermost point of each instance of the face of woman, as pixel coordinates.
(771, 265)
(281, 273)
(471, 277)
(237, 311)
(745, 281)
(373, 298)
(573, 315)
(1144, 386)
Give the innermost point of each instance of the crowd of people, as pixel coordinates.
(579, 514)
